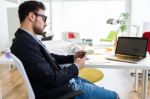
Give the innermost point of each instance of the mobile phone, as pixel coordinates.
(81, 54)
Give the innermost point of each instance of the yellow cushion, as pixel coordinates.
(91, 74)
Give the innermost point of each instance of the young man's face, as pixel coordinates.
(40, 22)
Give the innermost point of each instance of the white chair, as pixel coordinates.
(21, 69)
(31, 95)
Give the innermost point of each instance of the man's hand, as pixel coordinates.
(79, 59)
(80, 54)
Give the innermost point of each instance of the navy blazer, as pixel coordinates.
(47, 79)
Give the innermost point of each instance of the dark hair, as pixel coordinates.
(29, 6)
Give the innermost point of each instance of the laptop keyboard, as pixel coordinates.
(124, 59)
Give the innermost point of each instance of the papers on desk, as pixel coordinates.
(61, 47)
(95, 59)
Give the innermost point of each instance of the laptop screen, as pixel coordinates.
(132, 46)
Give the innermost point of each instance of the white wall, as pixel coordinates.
(4, 33)
(4, 40)
(9, 22)
(86, 17)
(13, 22)
(140, 13)
(57, 19)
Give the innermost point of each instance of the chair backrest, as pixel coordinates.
(112, 35)
(147, 35)
(21, 69)
(70, 36)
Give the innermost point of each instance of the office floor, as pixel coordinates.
(114, 79)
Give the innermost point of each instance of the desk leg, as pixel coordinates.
(144, 84)
(136, 80)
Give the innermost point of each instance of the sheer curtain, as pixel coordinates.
(142, 17)
(86, 17)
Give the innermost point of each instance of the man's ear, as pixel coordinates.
(31, 17)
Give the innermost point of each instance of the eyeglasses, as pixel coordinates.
(43, 16)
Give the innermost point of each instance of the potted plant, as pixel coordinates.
(121, 21)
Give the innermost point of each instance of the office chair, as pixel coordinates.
(30, 91)
(21, 69)
(70, 36)
(111, 37)
(147, 35)
(45, 38)
(91, 74)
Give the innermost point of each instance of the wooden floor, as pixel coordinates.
(117, 80)
(12, 84)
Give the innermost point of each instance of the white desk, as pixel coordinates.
(99, 61)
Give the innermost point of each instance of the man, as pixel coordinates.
(48, 80)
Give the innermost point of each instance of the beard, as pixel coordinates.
(38, 30)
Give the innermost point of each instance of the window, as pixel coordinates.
(86, 17)
(48, 29)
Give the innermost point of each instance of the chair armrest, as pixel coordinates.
(71, 94)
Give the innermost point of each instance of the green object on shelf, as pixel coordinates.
(111, 36)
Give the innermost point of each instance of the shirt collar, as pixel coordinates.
(31, 34)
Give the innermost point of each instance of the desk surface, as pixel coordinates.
(99, 61)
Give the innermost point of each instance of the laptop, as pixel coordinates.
(130, 49)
